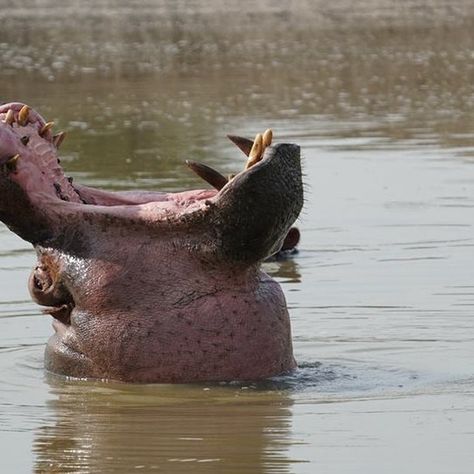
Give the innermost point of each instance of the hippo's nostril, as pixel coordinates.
(25, 140)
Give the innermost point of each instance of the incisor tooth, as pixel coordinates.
(58, 139)
(257, 146)
(45, 128)
(267, 137)
(23, 115)
(9, 117)
(256, 151)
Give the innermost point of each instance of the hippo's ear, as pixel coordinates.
(252, 214)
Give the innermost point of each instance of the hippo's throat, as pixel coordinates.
(226, 327)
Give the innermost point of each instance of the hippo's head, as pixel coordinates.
(150, 286)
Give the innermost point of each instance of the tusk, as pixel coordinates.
(243, 143)
(45, 128)
(256, 152)
(257, 147)
(10, 117)
(267, 137)
(58, 139)
(23, 115)
(211, 176)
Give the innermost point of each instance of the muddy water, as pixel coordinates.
(380, 96)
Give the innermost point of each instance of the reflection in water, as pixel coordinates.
(286, 270)
(117, 428)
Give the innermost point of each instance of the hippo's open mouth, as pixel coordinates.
(151, 264)
(247, 203)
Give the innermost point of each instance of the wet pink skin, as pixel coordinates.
(153, 286)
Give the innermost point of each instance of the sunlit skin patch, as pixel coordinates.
(148, 286)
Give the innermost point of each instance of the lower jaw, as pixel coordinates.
(60, 359)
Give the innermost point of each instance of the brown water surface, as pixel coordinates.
(380, 95)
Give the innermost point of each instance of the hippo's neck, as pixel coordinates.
(205, 323)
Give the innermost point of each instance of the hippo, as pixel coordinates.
(154, 287)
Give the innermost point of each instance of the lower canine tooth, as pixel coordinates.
(211, 176)
(243, 143)
(23, 115)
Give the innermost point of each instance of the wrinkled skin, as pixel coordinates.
(151, 286)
